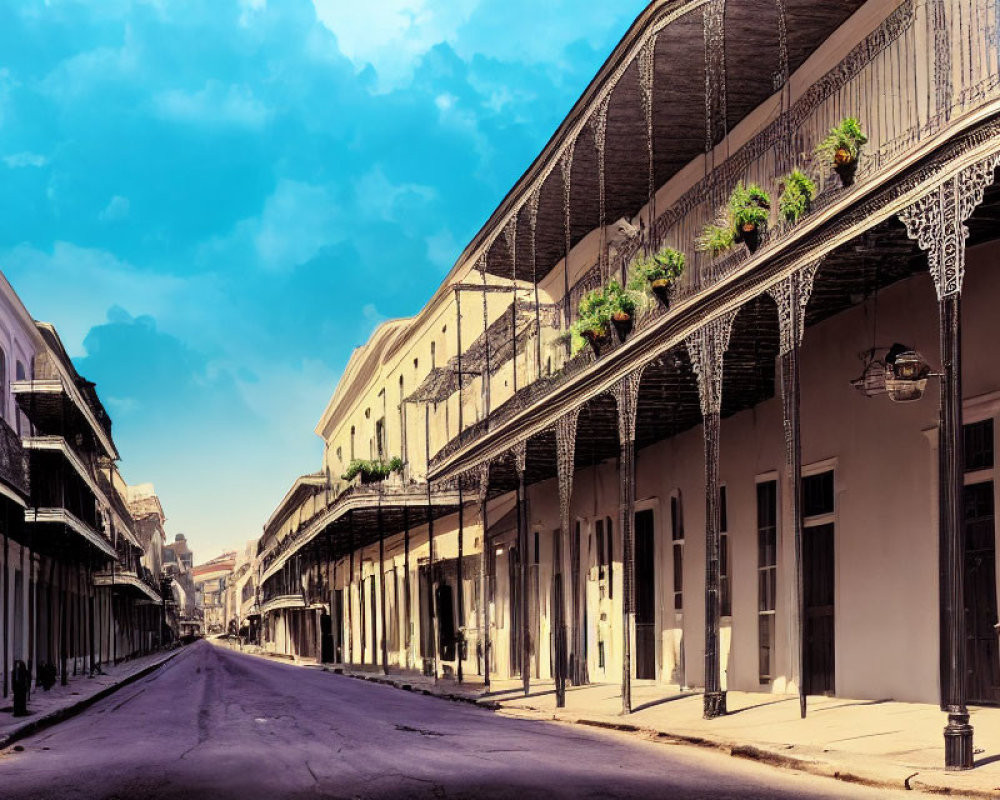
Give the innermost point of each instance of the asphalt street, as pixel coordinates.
(219, 724)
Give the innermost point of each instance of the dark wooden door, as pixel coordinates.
(982, 658)
(338, 610)
(818, 563)
(514, 593)
(645, 596)
(446, 621)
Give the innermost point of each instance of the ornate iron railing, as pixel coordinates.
(928, 64)
(14, 465)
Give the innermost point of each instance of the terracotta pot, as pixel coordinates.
(623, 325)
(596, 339)
(846, 171)
(750, 235)
(661, 288)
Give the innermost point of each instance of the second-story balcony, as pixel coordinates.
(14, 474)
(140, 582)
(358, 516)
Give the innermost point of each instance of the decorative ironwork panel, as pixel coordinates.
(714, 14)
(937, 222)
(706, 348)
(626, 393)
(792, 298)
(520, 451)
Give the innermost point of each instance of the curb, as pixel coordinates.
(750, 752)
(59, 715)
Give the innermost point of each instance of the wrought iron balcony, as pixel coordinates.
(14, 472)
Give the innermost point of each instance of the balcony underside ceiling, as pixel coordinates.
(668, 398)
(752, 58)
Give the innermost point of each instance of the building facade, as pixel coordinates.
(77, 581)
(210, 591)
(779, 477)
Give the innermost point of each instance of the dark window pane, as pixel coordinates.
(726, 595)
(767, 504)
(678, 576)
(817, 494)
(765, 632)
(724, 522)
(676, 518)
(979, 445)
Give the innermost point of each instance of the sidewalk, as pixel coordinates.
(60, 702)
(879, 743)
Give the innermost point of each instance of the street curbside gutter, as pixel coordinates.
(32, 727)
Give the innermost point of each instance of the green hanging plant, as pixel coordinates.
(841, 148)
(372, 471)
(716, 237)
(657, 272)
(796, 196)
(592, 323)
(749, 208)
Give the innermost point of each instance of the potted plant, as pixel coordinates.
(621, 306)
(592, 324)
(842, 148)
(716, 237)
(797, 193)
(657, 272)
(372, 471)
(748, 210)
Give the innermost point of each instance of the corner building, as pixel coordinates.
(735, 496)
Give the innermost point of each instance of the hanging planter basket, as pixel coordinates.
(845, 166)
(623, 325)
(661, 288)
(597, 339)
(750, 236)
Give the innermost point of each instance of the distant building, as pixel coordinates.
(210, 584)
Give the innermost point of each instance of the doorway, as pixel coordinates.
(982, 658)
(645, 596)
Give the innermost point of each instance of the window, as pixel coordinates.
(767, 573)
(724, 589)
(610, 542)
(380, 437)
(19, 373)
(979, 446)
(402, 420)
(352, 443)
(677, 536)
(433, 355)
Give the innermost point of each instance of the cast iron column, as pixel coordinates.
(461, 593)
(520, 458)
(707, 347)
(381, 586)
(627, 396)
(565, 467)
(937, 222)
(791, 296)
(484, 593)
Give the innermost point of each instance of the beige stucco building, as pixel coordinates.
(749, 490)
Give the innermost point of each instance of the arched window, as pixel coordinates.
(352, 443)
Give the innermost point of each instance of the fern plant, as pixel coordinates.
(797, 195)
(372, 471)
(716, 237)
(660, 269)
(843, 143)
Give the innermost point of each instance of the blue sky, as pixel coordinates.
(215, 202)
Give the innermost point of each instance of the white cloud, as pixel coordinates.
(392, 35)
(74, 287)
(378, 198)
(298, 220)
(25, 159)
(443, 249)
(117, 209)
(215, 103)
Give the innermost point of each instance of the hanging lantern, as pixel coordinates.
(871, 381)
(906, 375)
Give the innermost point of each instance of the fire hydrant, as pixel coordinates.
(21, 683)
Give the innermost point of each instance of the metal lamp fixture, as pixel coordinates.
(901, 373)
